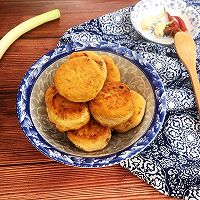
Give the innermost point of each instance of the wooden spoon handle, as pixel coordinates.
(196, 86)
(186, 50)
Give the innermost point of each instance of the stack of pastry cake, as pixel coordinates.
(88, 101)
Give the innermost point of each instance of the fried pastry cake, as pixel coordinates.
(94, 56)
(113, 73)
(113, 105)
(65, 114)
(139, 105)
(79, 79)
(91, 137)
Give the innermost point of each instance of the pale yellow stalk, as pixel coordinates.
(26, 26)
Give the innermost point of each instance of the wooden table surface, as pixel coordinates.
(25, 173)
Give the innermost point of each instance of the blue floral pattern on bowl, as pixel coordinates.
(28, 123)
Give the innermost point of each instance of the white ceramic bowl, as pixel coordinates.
(154, 7)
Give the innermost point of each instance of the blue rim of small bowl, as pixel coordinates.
(28, 81)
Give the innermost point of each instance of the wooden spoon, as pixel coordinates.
(186, 50)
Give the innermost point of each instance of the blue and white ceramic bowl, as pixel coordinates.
(179, 8)
(135, 72)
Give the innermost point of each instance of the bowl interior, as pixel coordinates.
(130, 74)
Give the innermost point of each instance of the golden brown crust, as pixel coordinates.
(113, 105)
(91, 137)
(79, 79)
(65, 114)
(113, 73)
(94, 56)
(139, 105)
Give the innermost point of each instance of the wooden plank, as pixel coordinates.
(72, 13)
(19, 58)
(14, 146)
(13, 66)
(55, 181)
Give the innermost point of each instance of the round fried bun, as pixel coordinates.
(79, 79)
(94, 56)
(65, 114)
(139, 105)
(113, 105)
(91, 137)
(113, 73)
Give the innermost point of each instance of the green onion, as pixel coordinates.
(26, 26)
